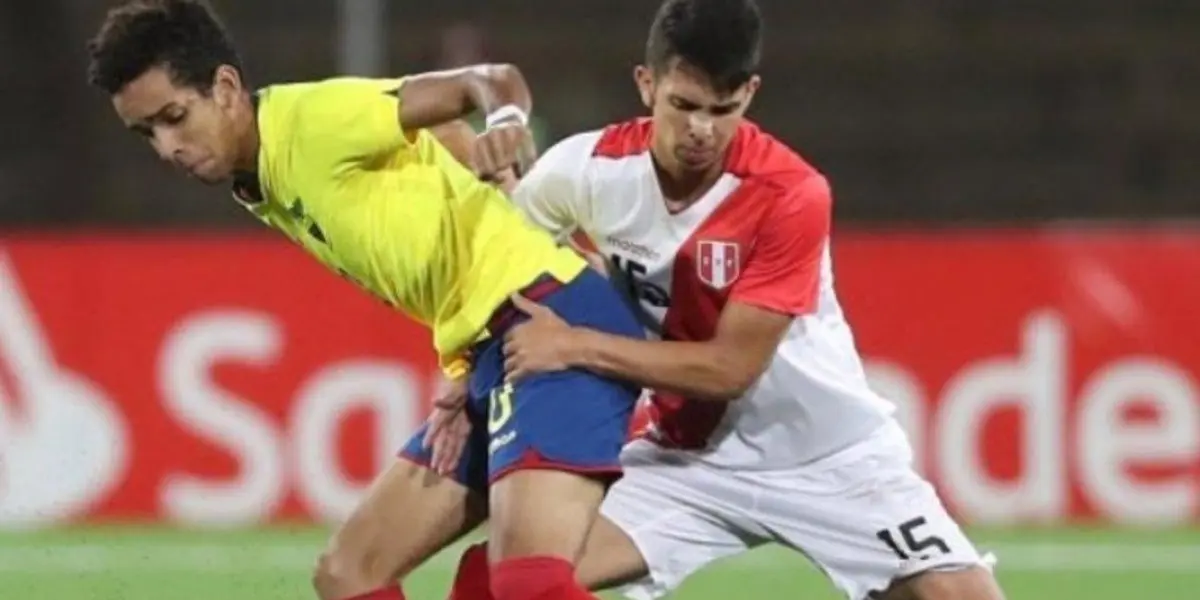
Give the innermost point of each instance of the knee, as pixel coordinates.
(330, 570)
(338, 570)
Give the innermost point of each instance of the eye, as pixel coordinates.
(721, 111)
(175, 118)
(684, 105)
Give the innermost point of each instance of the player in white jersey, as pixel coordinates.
(761, 426)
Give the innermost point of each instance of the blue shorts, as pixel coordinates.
(570, 420)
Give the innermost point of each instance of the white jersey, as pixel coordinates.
(760, 236)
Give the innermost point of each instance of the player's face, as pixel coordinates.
(693, 122)
(194, 131)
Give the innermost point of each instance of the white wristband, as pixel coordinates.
(508, 112)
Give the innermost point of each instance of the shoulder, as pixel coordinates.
(573, 150)
(623, 140)
(596, 156)
(777, 171)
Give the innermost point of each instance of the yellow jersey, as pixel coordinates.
(392, 210)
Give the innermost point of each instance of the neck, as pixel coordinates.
(682, 187)
(247, 146)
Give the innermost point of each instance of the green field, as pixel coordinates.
(135, 564)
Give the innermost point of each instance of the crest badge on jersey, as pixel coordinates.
(718, 263)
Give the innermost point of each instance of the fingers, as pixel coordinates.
(501, 148)
(446, 438)
(526, 156)
(526, 305)
(437, 424)
(514, 371)
(448, 446)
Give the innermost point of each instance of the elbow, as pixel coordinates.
(731, 382)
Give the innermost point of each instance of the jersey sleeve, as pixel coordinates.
(347, 121)
(554, 193)
(783, 271)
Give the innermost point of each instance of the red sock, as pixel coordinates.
(537, 578)
(391, 592)
(472, 581)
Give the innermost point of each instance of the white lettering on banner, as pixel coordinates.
(387, 389)
(1106, 442)
(904, 390)
(271, 460)
(217, 415)
(62, 440)
(1034, 381)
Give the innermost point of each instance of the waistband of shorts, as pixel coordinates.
(506, 314)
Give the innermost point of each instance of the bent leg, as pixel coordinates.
(663, 521)
(874, 525)
(409, 514)
(966, 583)
(540, 520)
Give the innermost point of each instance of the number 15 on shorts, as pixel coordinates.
(500, 414)
(912, 545)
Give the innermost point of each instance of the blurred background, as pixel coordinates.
(186, 403)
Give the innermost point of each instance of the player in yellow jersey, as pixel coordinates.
(346, 169)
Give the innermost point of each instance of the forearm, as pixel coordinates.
(494, 86)
(432, 99)
(699, 370)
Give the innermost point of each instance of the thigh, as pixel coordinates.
(865, 518)
(674, 517)
(408, 514)
(542, 513)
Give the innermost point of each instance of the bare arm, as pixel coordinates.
(436, 97)
(458, 137)
(781, 281)
(720, 369)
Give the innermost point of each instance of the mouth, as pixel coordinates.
(696, 156)
(192, 168)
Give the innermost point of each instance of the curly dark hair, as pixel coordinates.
(183, 36)
(722, 38)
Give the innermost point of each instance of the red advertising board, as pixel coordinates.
(1043, 376)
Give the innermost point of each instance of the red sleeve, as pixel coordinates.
(783, 271)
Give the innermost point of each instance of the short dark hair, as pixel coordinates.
(722, 38)
(183, 36)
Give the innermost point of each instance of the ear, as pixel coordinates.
(752, 87)
(643, 76)
(227, 86)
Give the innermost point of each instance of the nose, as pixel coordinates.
(700, 125)
(166, 144)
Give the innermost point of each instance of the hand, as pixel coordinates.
(539, 345)
(506, 181)
(449, 428)
(507, 145)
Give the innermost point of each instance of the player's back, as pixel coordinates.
(392, 209)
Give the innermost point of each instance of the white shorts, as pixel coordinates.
(863, 515)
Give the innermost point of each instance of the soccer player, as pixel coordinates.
(346, 169)
(762, 427)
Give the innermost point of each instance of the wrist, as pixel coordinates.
(579, 344)
(509, 113)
